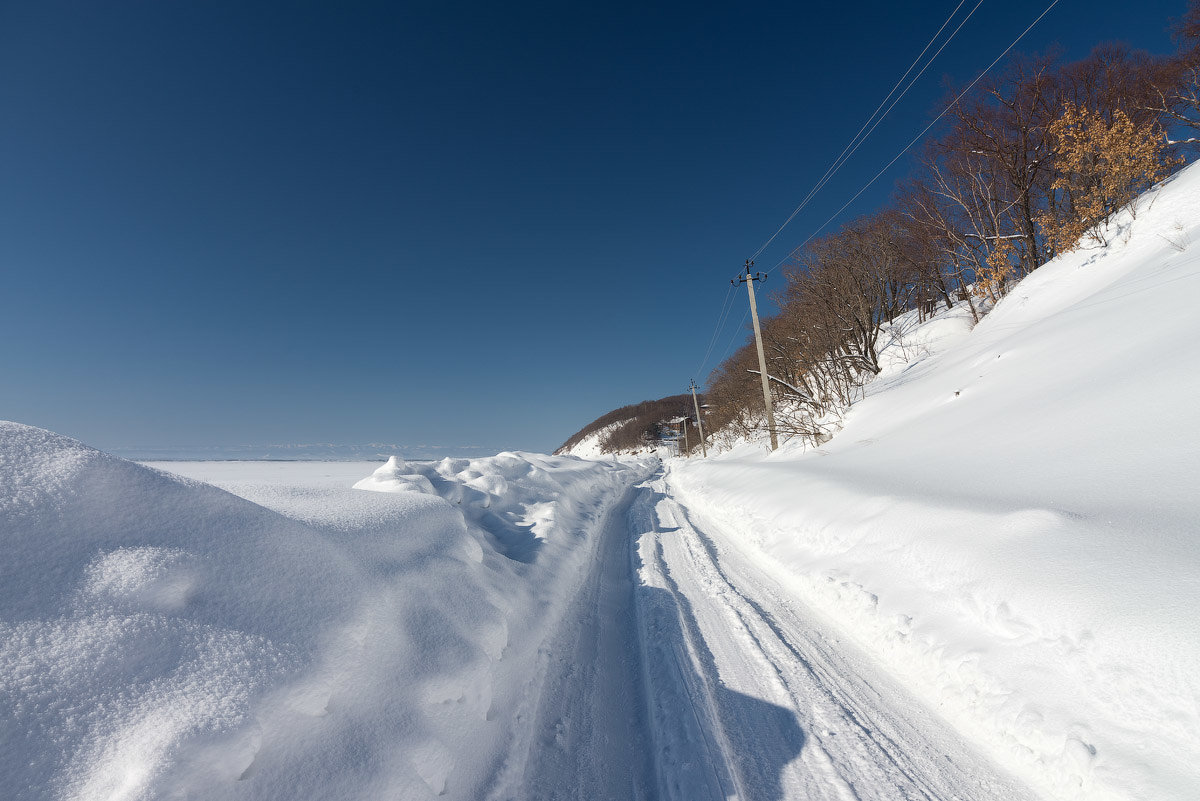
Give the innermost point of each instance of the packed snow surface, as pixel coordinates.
(161, 637)
(514, 627)
(1010, 521)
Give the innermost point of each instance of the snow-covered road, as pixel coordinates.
(684, 672)
(513, 627)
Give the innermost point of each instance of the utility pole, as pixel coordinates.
(748, 279)
(687, 449)
(699, 422)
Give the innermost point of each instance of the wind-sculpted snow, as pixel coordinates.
(1009, 519)
(512, 497)
(161, 637)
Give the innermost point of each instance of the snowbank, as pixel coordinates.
(515, 499)
(1009, 520)
(160, 637)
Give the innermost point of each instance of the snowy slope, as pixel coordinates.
(1009, 521)
(160, 637)
(589, 446)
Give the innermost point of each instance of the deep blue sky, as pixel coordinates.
(466, 225)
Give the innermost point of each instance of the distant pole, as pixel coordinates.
(748, 279)
(687, 449)
(699, 422)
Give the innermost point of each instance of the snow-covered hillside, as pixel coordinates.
(163, 638)
(1010, 521)
(589, 446)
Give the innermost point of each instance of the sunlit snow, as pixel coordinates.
(983, 587)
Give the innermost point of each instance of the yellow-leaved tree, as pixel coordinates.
(1102, 166)
(991, 280)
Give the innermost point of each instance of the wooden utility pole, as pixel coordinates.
(748, 279)
(699, 422)
(687, 449)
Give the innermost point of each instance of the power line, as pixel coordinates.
(726, 307)
(851, 147)
(855, 142)
(917, 138)
(733, 338)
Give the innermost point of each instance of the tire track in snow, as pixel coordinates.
(864, 758)
(680, 672)
(580, 732)
(867, 738)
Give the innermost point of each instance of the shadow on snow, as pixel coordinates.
(711, 741)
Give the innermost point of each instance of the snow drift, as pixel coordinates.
(160, 637)
(1009, 519)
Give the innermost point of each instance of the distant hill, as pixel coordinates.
(630, 429)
